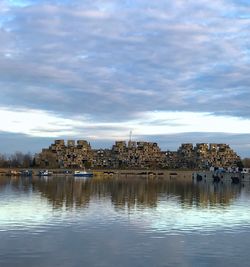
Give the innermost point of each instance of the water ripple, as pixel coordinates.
(120, 217)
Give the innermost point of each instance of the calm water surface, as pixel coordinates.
(63, 221)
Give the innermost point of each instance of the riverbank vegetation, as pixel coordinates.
(17, 160)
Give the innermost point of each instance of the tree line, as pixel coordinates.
(17, 160)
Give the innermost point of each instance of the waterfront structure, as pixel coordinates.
(70, 155)
(136, 155)
(203, 156)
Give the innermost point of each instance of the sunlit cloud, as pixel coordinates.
(35, 123)
(44, 124)
(185, 122)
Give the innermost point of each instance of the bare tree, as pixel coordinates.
(20, 160)
(27, 160)
(3, 161)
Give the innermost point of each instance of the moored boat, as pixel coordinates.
(14, 173)
(45, 173)
(26, 173)
(216, 178)
(83, 174)
(235, 179)
(198, 177)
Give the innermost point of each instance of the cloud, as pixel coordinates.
(112, 60)
(47, 124)
(128, 57)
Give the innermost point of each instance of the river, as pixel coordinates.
(63, 221)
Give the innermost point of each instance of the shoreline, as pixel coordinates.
(106, 172)
(185, 175)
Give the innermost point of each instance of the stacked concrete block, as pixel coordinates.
(136, 155)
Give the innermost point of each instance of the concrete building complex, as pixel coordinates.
(136, 155)
(203, 156)
(70, 155)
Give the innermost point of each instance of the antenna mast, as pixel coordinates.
(130, 136)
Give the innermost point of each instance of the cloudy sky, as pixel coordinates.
(169, 71)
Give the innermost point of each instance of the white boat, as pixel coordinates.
(83, 174)
(45, 173)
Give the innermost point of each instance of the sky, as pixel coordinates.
(169, 71)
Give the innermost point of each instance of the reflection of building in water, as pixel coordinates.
(126, 193)
(136, 155)
(207, 195)
(62, 192)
